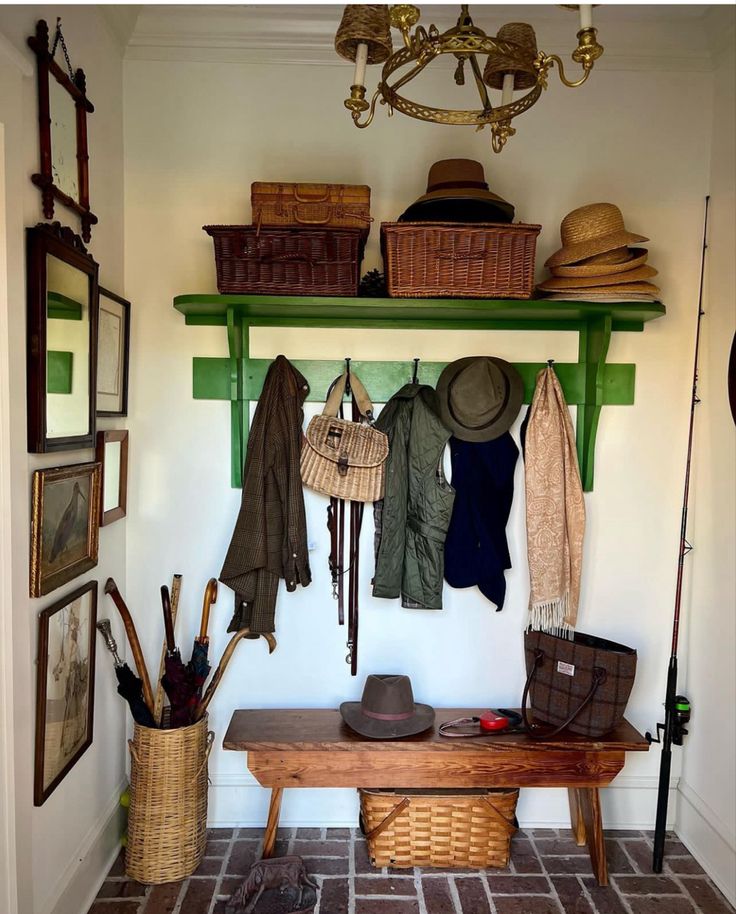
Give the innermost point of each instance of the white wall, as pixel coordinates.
(197, 134)
(63, 849)
(707, 802)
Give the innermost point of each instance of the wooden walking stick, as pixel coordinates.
(224, 660)
(158, 706)
(111, 588)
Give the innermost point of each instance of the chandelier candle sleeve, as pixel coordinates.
(507, 95)
(361, 59)
(586, 16)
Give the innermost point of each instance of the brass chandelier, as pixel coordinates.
(512, 64)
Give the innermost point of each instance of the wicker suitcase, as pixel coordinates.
(329, 205)
(287, 261)
(445, 828)
(453, 260)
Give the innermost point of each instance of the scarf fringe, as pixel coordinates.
(549, 616)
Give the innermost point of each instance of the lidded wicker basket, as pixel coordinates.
(167, 820)
(456, 828)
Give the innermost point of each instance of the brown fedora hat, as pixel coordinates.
(586, 282)
(387, 709)
(590, 230)
(479, 397)
(595, 267)
(457, 192)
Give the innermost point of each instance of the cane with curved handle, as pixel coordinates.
(210, 597)
(222, 666)
(111, 588)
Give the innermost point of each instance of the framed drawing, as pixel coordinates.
(63, 107)
(65, 515)
(61, 359)
(113, 350)
(112, 454)
(65, 687)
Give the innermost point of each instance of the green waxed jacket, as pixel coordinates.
(412, 520)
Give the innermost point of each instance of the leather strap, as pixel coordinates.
(383, 825)
(337, 392)
(534, 730)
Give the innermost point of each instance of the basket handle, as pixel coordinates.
(134, 754)
(210, 741)
(448, 255)
(312, 198)
(382, 826)
(508, 824)
(281, 258)
(319, 221)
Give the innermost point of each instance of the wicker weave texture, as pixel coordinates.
(331, 205)
(449, 260)
(364, 448)
(287, 261)
(459, 829)
(167, 820)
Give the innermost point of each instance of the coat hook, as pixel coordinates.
(550, 362)
(415, 372)
(347, 376)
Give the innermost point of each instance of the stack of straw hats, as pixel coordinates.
(596, 261)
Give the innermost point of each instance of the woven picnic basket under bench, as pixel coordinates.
(452, 260)
(329, 205)
(287, 261)
(458, 828)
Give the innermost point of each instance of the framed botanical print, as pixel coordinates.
(65, 687)
(113, 351)
(65, 515)
(112, 454)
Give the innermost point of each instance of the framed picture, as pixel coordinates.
(65, 514)
(112, 454)
(113, 351)
(65, 687)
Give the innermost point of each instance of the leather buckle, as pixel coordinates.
(342, 465)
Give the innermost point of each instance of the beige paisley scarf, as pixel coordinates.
(555, 510)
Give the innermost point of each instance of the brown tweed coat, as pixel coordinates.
(270, 536)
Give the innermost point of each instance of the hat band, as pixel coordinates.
(450, 185)
(376, 716)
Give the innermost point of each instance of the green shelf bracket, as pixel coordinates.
(590, 383)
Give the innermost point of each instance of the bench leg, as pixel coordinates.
(274, 811)
(589, 803)
(576, 817)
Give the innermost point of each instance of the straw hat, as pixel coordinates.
(590, 294)
(617, 255)
(590, 230)
(585, 282)
(636, 257)
(457, 192)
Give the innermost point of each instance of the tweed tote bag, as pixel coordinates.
(341, 458)
(582, 685)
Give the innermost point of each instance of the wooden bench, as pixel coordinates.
(314, 748)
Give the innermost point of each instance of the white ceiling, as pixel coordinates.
(641, 36)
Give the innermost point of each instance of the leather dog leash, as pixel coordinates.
(486, 725)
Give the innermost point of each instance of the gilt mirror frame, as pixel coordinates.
(49, 69)
(62, 243)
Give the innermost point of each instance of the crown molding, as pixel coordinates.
(635, 38)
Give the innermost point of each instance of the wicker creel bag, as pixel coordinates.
(167, 821)
(580, 684)
(446, 828)
(341, 458)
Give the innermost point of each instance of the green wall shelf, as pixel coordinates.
(590, 383)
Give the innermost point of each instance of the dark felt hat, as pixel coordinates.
(387, 709)
(479, 397)
(457, 192)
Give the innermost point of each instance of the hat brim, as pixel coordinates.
(473, 205)
(626, 277)
(589, 294)
(637, 258)
(352, 713)
(581, 250)
(502, 423)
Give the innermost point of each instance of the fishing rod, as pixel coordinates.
(677, 707)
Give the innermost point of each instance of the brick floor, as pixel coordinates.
(548, 874)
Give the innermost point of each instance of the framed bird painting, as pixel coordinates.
(65, 513)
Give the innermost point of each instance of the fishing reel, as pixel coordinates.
(680, 717)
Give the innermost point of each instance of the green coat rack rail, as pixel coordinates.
(589, 383)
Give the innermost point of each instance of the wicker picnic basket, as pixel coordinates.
(167, 820)
(286, 260)
(458, 828)
(333, 205)
(450, 260)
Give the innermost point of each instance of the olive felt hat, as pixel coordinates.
(387, 709)
(479, 397)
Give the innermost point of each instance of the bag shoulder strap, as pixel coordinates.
(337, 392)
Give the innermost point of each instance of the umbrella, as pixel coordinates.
(199, 665)
(111, 588)
(129, 685)
(178, 681)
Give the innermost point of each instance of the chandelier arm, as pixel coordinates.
(410, 74)
(482, 91)
(550, 59)
(371, 112)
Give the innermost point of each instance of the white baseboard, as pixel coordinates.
(238, 801)
(708, 838)
(77, 887)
